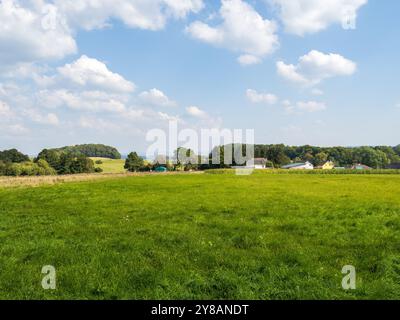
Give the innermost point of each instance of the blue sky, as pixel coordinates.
(111, 74)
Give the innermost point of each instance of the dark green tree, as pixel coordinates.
(134, 163)
(13, 155)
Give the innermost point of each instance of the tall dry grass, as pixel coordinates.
(8, 182)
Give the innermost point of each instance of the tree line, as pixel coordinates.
(76, 159)
(66, 160)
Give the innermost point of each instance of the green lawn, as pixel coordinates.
(110, 165)
(265, 236)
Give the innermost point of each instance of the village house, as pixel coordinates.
(329, 165)
(299, 166)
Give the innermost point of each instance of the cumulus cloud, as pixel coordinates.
(36, 116)
(143, 14)
(310, 16)
(256, 97)
(248, 59)
(95, 101)
(156, 97)
(196, 112)
(93, 73)
(25, 36)
(41, 30)
(316, 66)
(243, 30)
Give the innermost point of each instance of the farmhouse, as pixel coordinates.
(299, 166)
(328, 166)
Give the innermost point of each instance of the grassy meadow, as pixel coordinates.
(203, 236)
(110, 165)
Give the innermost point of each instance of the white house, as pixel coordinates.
(299, 166)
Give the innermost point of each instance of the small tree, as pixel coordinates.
(134, 163)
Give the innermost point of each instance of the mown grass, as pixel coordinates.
(203, 237)
(110, 165)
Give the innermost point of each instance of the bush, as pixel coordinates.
(98, 170)
(99, 162)
(29, 169)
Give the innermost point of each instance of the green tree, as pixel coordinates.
(13, 156)
(134, 163)
(276, 154)
(320, 159)
(52, 157)
(371, 157)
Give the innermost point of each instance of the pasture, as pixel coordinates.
(208, 236)
(110, 165)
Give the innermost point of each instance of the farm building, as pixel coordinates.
(327, 166)
(299, 166)
(360, 167)
(257, 163)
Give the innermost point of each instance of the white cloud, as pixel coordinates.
(25, 38)
(316, 66)
(167, 117)
(256, 97)
(248, 59)
(303, 106)
(142, 14)
(36, 30)
(196, 112)
(243, 30)
(99, 124)
(95, 101)
(309, 16)
(36, 116)
(93, 73)
(156, 97)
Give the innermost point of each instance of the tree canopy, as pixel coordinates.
(91, 150)
(134, 163)
(13, 155)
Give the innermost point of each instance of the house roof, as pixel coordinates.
(361, 167)
(294, 165)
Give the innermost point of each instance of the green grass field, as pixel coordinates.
(110, 165)
(265, 236)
